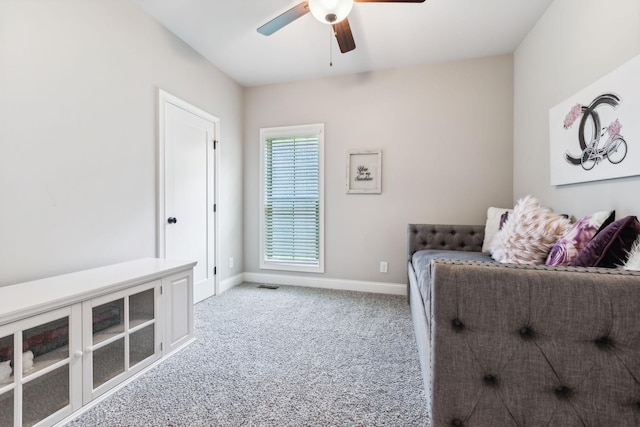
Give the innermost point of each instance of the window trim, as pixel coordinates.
(288, 131)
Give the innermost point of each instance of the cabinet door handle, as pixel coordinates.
(88, 350)
(78, 354)
(172, 220)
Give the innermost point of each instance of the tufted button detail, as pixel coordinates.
(456, 422)
(527, 333)
(490, 380)
(457, 325)
(563, 392)
(604, 343)
(424, 243)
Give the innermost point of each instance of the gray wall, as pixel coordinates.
(446, 137)
(78, 134)
(574, 44)
(78, 83)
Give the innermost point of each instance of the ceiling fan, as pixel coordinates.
(332, 12)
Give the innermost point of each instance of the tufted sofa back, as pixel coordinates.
(533, 346)
(444, 237)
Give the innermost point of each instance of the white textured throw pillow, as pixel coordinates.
(528, 234)
(633, 262)
(492, 226)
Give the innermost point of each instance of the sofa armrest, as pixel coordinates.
(444, 237)
(534, 345)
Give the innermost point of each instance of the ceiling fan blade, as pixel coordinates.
(344, 36)
(389, 1)
(284, 19)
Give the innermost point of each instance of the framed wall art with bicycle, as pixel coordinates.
(595, 134)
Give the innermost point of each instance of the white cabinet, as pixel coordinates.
(68, 340)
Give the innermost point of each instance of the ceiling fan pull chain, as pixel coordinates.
(330, 46)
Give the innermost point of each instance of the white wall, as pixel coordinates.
(574, 44)
(78, 134)
(446, 137)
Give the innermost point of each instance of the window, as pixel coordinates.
(291, 226)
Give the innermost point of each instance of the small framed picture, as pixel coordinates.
(364, 171)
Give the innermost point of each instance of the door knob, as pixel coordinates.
(172, 220)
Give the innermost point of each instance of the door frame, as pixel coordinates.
(165, 98)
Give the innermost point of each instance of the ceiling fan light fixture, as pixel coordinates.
(330, 11)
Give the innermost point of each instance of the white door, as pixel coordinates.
(187, 187)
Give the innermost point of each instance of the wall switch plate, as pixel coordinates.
(231, 262)
(384, 267)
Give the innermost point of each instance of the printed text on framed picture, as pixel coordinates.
(364, 171)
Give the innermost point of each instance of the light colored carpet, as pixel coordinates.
(287, 357)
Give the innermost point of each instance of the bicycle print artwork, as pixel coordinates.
(594, 134)
(590, 134)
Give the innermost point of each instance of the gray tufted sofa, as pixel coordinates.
(509, 345)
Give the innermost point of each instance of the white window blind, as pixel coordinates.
(292, 197)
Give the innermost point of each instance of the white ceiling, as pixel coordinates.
(387, 35)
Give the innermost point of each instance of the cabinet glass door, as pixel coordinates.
(6, 381)
(108, 326)
(107, 320)
(142, 326)
(38, 365)
(45, 395)
(123, 336)
(45, 370)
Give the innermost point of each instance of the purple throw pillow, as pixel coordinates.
(609, 248)
(577, 237)
(503, 218)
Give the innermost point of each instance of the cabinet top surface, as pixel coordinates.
(25, 299)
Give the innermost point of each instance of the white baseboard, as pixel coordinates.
(229, 283)
(317, 282)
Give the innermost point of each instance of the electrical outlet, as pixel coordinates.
(231, 262)
(384, 267)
